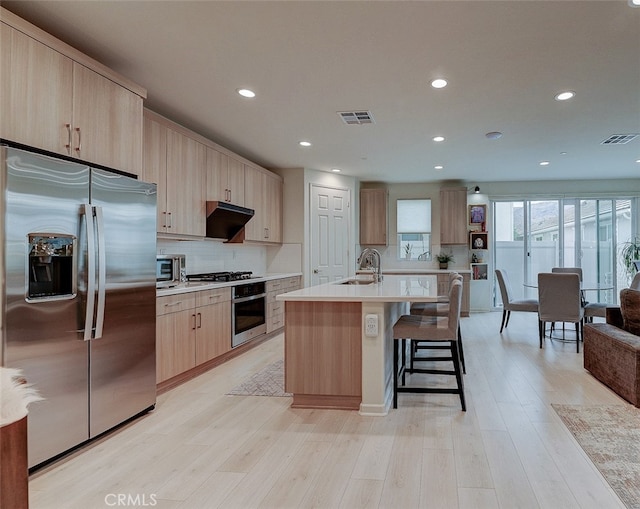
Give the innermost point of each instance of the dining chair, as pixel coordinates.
(560, 301)
(440, 308)
(508, 303)
(591, 309)
(437, 329)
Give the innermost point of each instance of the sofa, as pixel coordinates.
(612, 349)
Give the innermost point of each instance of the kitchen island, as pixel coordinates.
(339, 340)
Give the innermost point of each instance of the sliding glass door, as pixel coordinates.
(533, 236)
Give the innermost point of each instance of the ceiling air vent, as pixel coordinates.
(619, 139)
(356, 117)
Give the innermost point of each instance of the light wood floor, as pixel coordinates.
(202, 449)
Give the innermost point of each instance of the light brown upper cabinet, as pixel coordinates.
(177, 164)
(453, 215)
(56, 99)
(263, 193)
(373, 217)
(186, 174)
(225, 178)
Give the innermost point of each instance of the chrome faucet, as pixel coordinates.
(370, 259)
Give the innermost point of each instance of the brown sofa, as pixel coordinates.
(612, 349)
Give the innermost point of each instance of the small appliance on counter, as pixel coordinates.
(170, 270)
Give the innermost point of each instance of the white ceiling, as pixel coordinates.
(307, 60)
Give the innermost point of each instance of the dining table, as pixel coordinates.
(585, 286)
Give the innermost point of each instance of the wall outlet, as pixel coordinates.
(371, 325)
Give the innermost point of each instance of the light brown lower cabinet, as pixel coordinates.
(275, 309)
(213, 324)
(191, 328)
(175, 344)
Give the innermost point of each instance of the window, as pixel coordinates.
(414, 229)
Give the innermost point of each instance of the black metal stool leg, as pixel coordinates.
(456, 367)
(464, 368)
(396, 344)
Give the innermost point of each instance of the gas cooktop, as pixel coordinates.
(220, 276)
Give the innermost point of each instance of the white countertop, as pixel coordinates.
(393, 288)
(197, 286)
(423, 271)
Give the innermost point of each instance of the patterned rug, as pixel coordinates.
(267, 382)
(610, 435)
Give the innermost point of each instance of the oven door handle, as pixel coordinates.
(247, 299)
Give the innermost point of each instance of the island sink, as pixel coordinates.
(357, 282)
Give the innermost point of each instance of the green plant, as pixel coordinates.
(444, 257)
(630, 251)
(407, 250)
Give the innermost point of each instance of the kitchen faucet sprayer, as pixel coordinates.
(370, 259)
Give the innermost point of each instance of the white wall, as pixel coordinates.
(294, 254)
(215, 256)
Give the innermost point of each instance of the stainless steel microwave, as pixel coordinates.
(170, 270)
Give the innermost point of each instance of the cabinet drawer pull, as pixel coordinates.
(170, 222)
(194, 322)
(171, 304)
(212, 297)
(199, 320)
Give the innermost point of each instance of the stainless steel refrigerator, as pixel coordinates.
(78, 295)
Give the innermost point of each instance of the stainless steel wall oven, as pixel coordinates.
(248, 312)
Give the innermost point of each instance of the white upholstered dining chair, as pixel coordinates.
(508, 303)
(591, 309)
(560, 301)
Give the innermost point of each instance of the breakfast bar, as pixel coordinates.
(339, 340)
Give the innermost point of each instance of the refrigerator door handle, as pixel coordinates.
(102, 272)
(87, 210)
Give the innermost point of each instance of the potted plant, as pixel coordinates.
(444, 259)
(407, 251)
(630, 251)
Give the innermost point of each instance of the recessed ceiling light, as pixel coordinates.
(566, 95)
(438, 167)
(304, 143)
(245, 92)
(493, 135)
(637, 160)
(438, 138)
(336, 170)
(563, 153)
(544, 163)
(634, 3)
(439, 83)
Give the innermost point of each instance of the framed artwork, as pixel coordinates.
(479, 240)
(477, 214)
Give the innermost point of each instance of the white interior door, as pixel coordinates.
(329, 247)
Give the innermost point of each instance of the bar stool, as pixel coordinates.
(416, 328)
(440, 308)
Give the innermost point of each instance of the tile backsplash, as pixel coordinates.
(216, 256)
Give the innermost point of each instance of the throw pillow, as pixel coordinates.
(630, 309)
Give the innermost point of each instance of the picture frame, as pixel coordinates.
(479, 240)
(477, 214)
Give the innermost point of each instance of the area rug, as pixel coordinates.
(269, 381)
(610, 435)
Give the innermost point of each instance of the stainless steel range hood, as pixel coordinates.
(226, 221)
